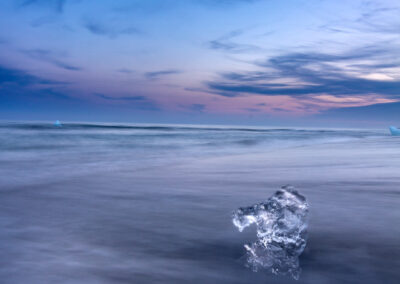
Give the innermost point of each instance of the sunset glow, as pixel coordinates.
(156, 60)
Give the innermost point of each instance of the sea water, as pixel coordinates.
(126, 203)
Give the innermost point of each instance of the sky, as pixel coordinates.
(253, 62)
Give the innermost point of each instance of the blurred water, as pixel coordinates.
(35, 152)
(101, 203)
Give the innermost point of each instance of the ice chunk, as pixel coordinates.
(281, 231)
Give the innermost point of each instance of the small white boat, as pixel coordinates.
(394, 131)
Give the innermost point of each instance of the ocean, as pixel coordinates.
(136, 203)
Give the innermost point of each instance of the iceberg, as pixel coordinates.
(394, 131)
(281, 223)
(57, 123)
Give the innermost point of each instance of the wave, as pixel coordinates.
(169, 128)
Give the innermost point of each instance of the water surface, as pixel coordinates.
(103, 203)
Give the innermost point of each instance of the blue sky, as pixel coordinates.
(314, 62)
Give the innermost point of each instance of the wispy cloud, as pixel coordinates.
(154, 75)
(377, 17)
(380, 17)
(386, 113)
(50, 57)
(165, 5)
(109, 30)
(222, 3)
(252, 109)
(125, 70)
(136, 102)
(225, 43)
(20, 78)
(197, 107)
(20, 88)
(124, 98)
(56, 5)
(41, 21)
(311, 73)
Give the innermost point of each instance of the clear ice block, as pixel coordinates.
(281, 231)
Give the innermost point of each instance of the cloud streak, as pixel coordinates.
(387, 113)
(197, 107)
(56, 5)
(311, 73)
(136, 102)
(221, 3)
(125, 71)
(155, 75)
(19, 88)
(50, 57)
(125, 98)
(14, 77)
(108, 30)
(226, 44)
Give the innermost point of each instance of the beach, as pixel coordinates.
(122, 203)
